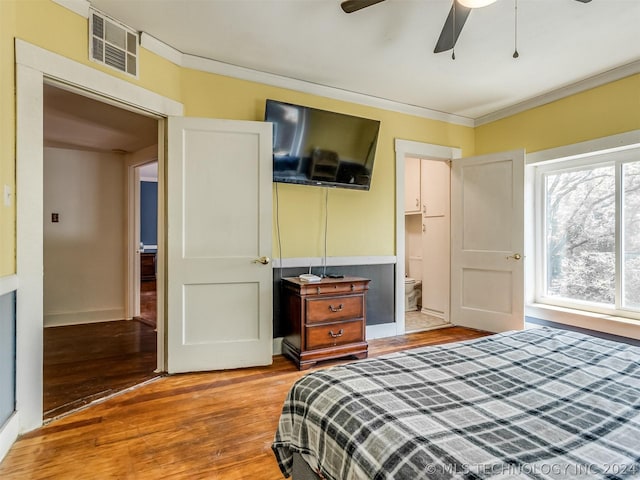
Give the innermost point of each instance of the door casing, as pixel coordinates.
(34, 66)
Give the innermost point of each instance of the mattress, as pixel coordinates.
(533, 404)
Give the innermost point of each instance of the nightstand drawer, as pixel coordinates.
(334, 288)
(342, 333)
(334, 308)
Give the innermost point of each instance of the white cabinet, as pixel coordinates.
(435, 180)
(435, 206)
(412, 185)
(435, 265)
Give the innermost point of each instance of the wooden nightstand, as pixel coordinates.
(325, 319)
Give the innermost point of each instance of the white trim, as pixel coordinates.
(277, 346)
(81, 7)
(543, 161)
(70, 72)
(609, 76)
(8, 284)
(598, 146)
(202, 64)
(80, 318)
(265, 78)
(29, 245)
(614, 325)
(161, 49)
(404, 148)
(383, 330)
(226, 69)
(9, 434)
(610, 158)
(213, 66)
(33, 66)
(332, 261)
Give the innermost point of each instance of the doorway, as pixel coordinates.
(427, 226)
(146, 220)
(413, 215)
(92, 347)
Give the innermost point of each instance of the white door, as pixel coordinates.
(219, 202)
(487, 242)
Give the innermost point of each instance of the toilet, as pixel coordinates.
(412, 294)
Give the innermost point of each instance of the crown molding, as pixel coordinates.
(161, 49)
(167, 52)
(228, 70)
(563, 92)
(81, 7)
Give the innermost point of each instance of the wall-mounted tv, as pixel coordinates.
(317, 147)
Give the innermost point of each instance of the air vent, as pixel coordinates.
(112, 43)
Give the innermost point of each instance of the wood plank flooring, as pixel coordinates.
(83, 363)
(214, 425)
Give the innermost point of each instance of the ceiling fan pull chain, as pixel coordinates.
(453, 49)
(515, 52)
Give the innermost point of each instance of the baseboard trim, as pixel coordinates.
(9, 434)
(277, 346)
(333, 261)
(80, 318)
(382, 330)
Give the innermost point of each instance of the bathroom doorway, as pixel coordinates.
(427, 243)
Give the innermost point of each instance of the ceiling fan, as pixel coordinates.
(460, 10)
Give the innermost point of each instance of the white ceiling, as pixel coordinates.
(386, 50)
(75, 121)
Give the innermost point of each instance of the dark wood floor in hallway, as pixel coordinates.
(86, 362)
(212, 425)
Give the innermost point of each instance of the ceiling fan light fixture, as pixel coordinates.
(475, 3)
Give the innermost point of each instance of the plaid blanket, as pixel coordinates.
(534, 404)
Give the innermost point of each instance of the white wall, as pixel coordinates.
(84, 253)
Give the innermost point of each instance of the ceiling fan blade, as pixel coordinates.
(350, 6)
(449, 37)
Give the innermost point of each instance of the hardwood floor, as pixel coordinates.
(83, 363)
(214, 425)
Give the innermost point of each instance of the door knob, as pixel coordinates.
(262, 260)
(515, 256)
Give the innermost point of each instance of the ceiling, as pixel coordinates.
(75, 121)
(386, 50)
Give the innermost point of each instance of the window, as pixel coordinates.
(588, 230)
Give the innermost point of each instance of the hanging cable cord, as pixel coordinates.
(278, 233)
(326, 222)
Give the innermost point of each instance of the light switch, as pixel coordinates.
(55, 217)
(7, 196)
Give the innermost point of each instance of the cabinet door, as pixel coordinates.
(435, 178)
(435, 265)
(412, 185)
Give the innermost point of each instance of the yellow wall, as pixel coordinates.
(607, 110)
(360, 223)
(7, 136)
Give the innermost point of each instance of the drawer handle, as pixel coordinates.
(336, 335)
(334, 309)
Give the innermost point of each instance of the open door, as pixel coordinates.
(219, 224)
(487, 242)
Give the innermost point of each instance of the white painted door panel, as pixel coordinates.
(487, 218)
(219, 185)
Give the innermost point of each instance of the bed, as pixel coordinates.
(541, 404)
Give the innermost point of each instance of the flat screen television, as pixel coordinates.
(317, 147)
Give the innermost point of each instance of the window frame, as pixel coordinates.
(597, 159)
